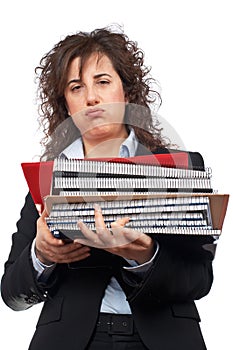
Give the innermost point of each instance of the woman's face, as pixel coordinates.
(96, 100)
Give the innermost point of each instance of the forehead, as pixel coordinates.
(95, 63)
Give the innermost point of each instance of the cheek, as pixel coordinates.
(115, 94)
(118, 96)
(79, 120)
(73, 107)
(115, 112)
(73, 104)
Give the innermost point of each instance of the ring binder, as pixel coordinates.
(160, 194)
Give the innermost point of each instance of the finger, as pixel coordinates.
(72, 249)
(44, 238)
(82, 241)
(74, 254)
(126, 235)
(99, 219)
(120, 222)
(133, 234)
(88, 234)
(98, 239)
(117, 228)
(103, 233)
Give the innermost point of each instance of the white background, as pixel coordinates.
(189, 45)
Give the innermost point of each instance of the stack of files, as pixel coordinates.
(39, 175)
(187, 214)
(158, 199)
(72, 177)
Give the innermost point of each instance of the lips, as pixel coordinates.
(94, 112)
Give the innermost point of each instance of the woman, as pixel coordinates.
(95, 97)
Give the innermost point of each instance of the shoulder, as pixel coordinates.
(195, 159)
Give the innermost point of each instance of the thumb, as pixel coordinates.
(44, 214)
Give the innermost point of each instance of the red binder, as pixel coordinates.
(39, 178)
(39, 174)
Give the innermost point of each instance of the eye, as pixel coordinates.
(103, 82)
(76, 87)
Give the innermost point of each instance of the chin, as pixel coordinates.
(100, 132)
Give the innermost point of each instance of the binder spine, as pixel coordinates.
(189, 214)
(147, 215)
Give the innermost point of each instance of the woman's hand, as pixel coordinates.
(51, 250)
(122, 241)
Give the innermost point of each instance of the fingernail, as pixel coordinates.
(80, 222)
(97, 207)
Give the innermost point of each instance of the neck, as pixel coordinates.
(105, 142)
(109, 148)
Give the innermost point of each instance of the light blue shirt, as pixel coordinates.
(127, 149)
(114, 300)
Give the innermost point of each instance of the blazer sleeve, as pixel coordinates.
(19, 286)
(182, 269)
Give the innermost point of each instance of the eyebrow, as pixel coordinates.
(97, 76)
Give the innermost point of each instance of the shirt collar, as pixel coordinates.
(129, 146)
(127, 149)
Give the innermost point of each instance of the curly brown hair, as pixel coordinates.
(127, 60)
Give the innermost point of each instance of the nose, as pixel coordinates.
(92, 97)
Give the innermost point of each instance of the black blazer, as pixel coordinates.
(162, 303)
